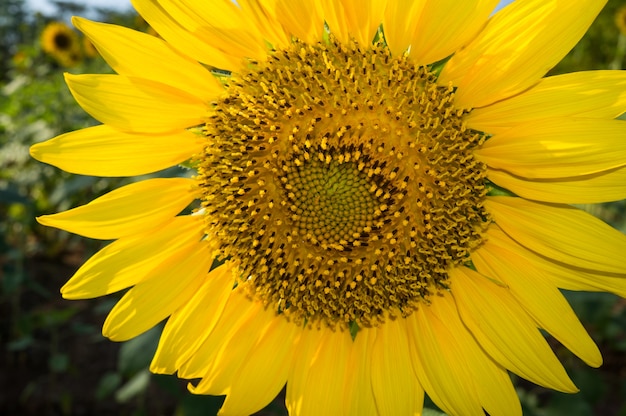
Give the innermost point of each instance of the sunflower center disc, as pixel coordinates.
(341, 182)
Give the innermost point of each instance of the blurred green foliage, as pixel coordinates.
(54, 359)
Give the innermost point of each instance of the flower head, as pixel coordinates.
(386, 186)
(61, 43)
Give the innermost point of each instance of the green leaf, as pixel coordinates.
(135, 386)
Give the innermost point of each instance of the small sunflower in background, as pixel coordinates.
(89, 49)
(61, 43)
(387, 186)
(620, 20)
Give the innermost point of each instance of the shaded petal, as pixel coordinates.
(563, 275)
(560, 232)
(447, 25)
(127, 210)
(587, 189)
(105, 151)
(400, 22)
(263, 13)
(358, 394)
(354, 19)
(518, 46)
(237, 311)
(220, 24)
(539, 297)
(131, 260)
(180, 38)
(557, 148)
(302, 19)
(136, 104)
(592, 94)
(189, 326)
(263, 372)
(251, 364)
(505, 331)
(134, 53)
(173, 282)
(396, 389)
(455, 371)
(319, 373)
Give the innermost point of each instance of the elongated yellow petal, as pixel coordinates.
(231, 352)
(396, 389)
(557, 148)
(105, 151)
(263, 372)
(456, 372)
(562, 233)
(136, 104)
(128, 210)
(592, 94)
(223, 27)
(447, 25)
(354, 19)
(358, 395)
(179, 37)
(189, 326)
(131, 260)
(174, 282)
(587, 189)
(541, 299)
(319, 372)
(400, 23)
(263, 14)
(517, 47)
(505, 331)
(134, 53)
(302, 19)
(563, 275)
(237, 311)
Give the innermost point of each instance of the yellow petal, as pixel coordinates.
(319, 372)
(396, 389)
(173, 283)
(134, 53)
(518, 46)
(189, 326)
(557, 148)
(447, 25)
(131, 209)
(136, 104)
(104, 151)
(302, 19)
(455, 371)
(592, 94)
(541, 299)
(134, 259)
(222, 26)
(264, 370)
(563, 275)
(180, 38)
(358, 395)
(354, 19)
(562, 233)
(400, 23)
(505, 331)
(236, 313)
(263, 14)
(588, 189)
(231, 352)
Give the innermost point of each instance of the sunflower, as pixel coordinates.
(60, 42)
(385, 186)
(620, 19)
